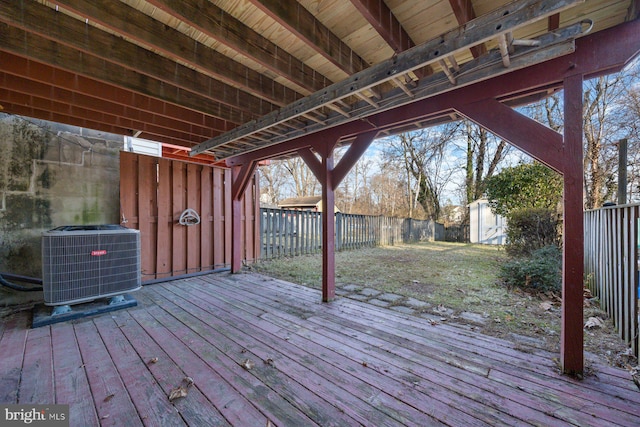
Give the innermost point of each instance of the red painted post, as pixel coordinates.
(328, 229)
(236, 235)
(571, 347)
(236, 221)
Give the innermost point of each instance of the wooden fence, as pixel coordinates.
(611, 265)
(154, 192)
(288, 232)
(457, 233)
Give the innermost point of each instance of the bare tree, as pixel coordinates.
(424, 157)
(303, 180)
(484, 153)
(611, 112)
(273, 182)
(601, 133)
(631, 119)
(354, 194)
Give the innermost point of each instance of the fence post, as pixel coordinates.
(338, 217)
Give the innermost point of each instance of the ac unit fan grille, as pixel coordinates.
(81, 266)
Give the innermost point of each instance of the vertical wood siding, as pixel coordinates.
(611, 265)
(155, 191)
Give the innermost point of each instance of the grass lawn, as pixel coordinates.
(461, 278)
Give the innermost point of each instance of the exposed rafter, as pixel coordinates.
(77, 40)
(382, 19)
(150, 109)
(293, 16)
(378, 14)
(464, 12)
(38, 95)
(153, 35)
(490, 26)
(186, 70)
(223, 27)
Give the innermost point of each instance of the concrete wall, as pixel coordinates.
(50, 175)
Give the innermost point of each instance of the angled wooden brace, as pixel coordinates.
(530, 136)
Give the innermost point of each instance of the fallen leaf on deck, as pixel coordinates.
(177, 393)
(248, 364)
(244, 350)
(153, 360)
(433, 322)
(594, 322)
(546, 305)
(104, 417)
(441, 309)
(270, 362)
(364, 364)
(108, 398)
(270, 424)
(189, 381)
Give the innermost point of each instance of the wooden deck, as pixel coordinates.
(339, 364)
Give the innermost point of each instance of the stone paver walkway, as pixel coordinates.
(407, 305)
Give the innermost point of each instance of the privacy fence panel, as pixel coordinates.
(611, 265)
(154, 192)
(289, 232)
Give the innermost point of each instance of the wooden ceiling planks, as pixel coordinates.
(491, 25)
(234, 60)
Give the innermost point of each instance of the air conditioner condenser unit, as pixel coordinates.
(84, 263)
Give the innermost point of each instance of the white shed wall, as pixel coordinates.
(486, 227)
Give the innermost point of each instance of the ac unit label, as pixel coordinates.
(99, 252)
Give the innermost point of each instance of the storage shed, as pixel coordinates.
(485, 226)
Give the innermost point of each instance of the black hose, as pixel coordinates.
(15, 287)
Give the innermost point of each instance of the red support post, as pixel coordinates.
(328, 229)
(240, 178)
(236, 235)
(572, 338)
(330, 178)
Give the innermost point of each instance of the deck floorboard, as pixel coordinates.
(338, 364)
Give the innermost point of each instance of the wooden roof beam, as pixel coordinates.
(23, 91)
(634, 10)
(294, 17)
(44, 22)
(131, 101)
(502, 20)
(593, 57)
(464, 12)
(382, 19)
(553, 45)
(153, 34)
(223, 27)
(55, 116)
(73, 111)
(37, 48)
